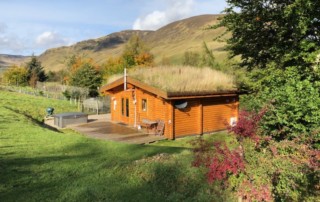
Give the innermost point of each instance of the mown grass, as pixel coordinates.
(42, 164)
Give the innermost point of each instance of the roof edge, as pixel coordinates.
(134, 82)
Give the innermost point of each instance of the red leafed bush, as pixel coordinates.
(218, 158)
(248, 123)
(224, 162)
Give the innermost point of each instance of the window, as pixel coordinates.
(144, 105)
(127, 107)
(122, 106)
(114, 105)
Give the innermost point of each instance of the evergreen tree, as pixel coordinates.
(35, 71)
(87, 76)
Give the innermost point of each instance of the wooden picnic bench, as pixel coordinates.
(155, 126)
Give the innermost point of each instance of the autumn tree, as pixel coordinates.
(15, 75)
(136, 53)
(114, 65)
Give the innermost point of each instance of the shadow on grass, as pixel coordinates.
(71, 172)
(33, 120)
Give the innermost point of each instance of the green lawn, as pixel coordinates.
(41, 164)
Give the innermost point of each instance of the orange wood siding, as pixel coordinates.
(202, 115)
(187, 121)
(217, 113)
(116, 112)
(157, 109)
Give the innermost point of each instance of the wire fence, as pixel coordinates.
(75, 95)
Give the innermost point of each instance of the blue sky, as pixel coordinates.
(32, 26)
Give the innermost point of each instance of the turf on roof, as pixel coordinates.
(181, 79)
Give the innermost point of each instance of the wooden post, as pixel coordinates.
(97, 105)
(200, 117)
(171, 119)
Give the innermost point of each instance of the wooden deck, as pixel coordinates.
(100, 127)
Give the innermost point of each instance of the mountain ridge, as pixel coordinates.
(169, 43)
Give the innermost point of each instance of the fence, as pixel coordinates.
(77, 95)
(97, 105)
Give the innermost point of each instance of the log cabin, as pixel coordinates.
(188, 101)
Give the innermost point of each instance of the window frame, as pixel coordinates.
(127, 108)
(144, 104)
(122, 106)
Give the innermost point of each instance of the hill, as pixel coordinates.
(9, 60)
(169, 43)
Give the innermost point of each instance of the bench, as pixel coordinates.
(157, 127)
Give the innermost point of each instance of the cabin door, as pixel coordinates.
(125, 110)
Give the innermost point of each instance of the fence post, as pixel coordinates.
(97, 104)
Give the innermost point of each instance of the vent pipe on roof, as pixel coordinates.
(125, 79)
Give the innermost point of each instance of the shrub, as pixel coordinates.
(276, 170)
(247, 124)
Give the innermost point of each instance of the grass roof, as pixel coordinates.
(184, 79)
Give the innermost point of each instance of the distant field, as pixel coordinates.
(41, 164)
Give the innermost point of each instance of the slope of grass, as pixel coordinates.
(42, 164)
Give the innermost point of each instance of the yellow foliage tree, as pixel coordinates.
(144, 59)
(15, 75)
(74, 63)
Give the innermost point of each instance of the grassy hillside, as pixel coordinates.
(186, 35)
(99, 49)
(41, 164)
(9, 60)
(170, 42)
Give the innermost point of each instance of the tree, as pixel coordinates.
(207, 57)
(57, 76)
(16, 76)
(111, 67)
(279, 43)
(35, 71)
(136, 53)
(87, 76)
(191, 58)
(282, 31)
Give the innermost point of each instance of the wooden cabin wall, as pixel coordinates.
(157, 109)
(217, 113)
(116, 111)
(203, 115)
(187, 121)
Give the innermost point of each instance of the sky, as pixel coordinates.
(31, 26)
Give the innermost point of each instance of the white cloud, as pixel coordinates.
(51, 39)
(176, 10)
(9, 40)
